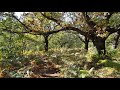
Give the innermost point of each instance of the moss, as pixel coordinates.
(108, 63)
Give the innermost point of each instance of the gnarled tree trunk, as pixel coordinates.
(46, 42)
(99, 43)
(116, 38)
(86, 43)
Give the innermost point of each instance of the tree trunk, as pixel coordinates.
(86, 43)
(46, 42)
(116, 38)
(99, 43)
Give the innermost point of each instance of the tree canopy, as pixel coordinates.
(47, 31)
(95, 26)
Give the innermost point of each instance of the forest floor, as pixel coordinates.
(32, 69)
(60, 63)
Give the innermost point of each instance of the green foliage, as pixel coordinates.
(91, 53)
(111, 64)
(85, 74)
(112, 53)
(71, 61)
(66, 50)
(64, 39)
(106, 72)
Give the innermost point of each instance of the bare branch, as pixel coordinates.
(53, 19)
(112, 30)
(44, 33)
(48, 33)
(80, 38)
(21, 23)
(87, 19)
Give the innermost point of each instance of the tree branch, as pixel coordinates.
(21, 23)
(80, 38)
(53, 19)
(109, 15)
(47, 33)
(67, 28)
(44, 33)
(112, 30)
(87, 19)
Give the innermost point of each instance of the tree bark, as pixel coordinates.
(46, 42)
(99, 43)
(86, 43)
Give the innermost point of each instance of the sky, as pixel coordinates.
(18, 14)
(67, 19)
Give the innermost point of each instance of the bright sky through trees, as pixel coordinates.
(18, 14)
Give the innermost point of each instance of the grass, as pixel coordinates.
(72, 63)
(78, 63)
(112, 64)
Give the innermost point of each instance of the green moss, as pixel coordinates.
(111, 64)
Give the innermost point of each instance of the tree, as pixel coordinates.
(94, 26)
(98, 32)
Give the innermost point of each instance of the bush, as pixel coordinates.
(64, 39)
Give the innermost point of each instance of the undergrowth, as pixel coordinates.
(69, 63)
